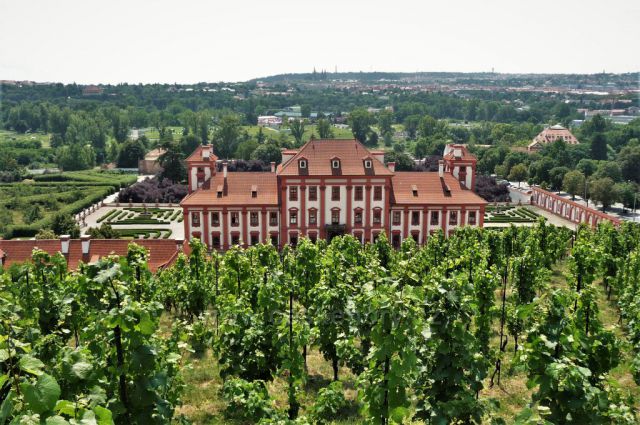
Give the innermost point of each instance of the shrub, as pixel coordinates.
(488, 188)
(246, 400)
(329, 401)
(154, 190)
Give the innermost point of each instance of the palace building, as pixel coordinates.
(550, 135)
(324, 189)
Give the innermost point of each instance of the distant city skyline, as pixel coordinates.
(197, 41)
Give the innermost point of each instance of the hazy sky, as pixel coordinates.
(186, 41)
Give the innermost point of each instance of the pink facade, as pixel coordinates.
(568, 209)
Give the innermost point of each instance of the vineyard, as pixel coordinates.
(332, 333)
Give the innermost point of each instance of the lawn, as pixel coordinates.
(32, 150)
(11, 137)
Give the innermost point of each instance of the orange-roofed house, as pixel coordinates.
(550, 135)
(328, 188)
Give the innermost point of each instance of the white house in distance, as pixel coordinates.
(550, 135)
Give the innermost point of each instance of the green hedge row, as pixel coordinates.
(138, 220)
(107, 216)
(28, 230)
(146, 233)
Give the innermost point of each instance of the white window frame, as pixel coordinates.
(368, 163)
(303, 163)
(335, 163)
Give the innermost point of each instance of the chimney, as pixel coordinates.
(273, 167)
(224, 169)
(86, 242)
(457, 153)
(206, 152)
(64, 244)
(179, 244)
(392, 166)
(441, 168)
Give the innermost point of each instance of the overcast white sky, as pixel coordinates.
(112, 41)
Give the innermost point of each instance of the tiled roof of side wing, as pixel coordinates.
(319, 153)
(238, 191)
(431, 189)
(161, 251)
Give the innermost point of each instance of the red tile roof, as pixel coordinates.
(238, 190)
(431, 189)
(162, 252)
(553, 133)
(196, 156)
(450, 152)
(319, 153)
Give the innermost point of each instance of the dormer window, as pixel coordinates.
(302, 163)
(368, 163)
(254, 191)
(335, 164)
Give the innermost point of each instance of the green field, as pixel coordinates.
(32, 203)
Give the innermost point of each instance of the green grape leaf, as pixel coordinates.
(42, 396)
(6, 408)
(103, 416)
(31, 365)
(82, 370)
(56, 420)
(65, 407)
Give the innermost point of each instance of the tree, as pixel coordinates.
(105, 231)
(64, 224)
(603, 190)
(45, 234)
(76, 157)
(360, 122)
(402, 160)
(518, 173)
(385, 122)
(556, 177)
(599, 147)
(297, 131)
(627, 193)
(172, 162)
(260, 136)
(609, 169)
(411, 125)
(427, 126)
(629, 160)
(131, 152)
(227, 136)
(587, 167)
(372, 140)
(305, 111)
(421, 149)
(246, 148)
(189, 144)
(573, 183)
(32, 213)
(324, 129)
(269, 152)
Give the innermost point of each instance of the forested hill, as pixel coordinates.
(628, 80)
